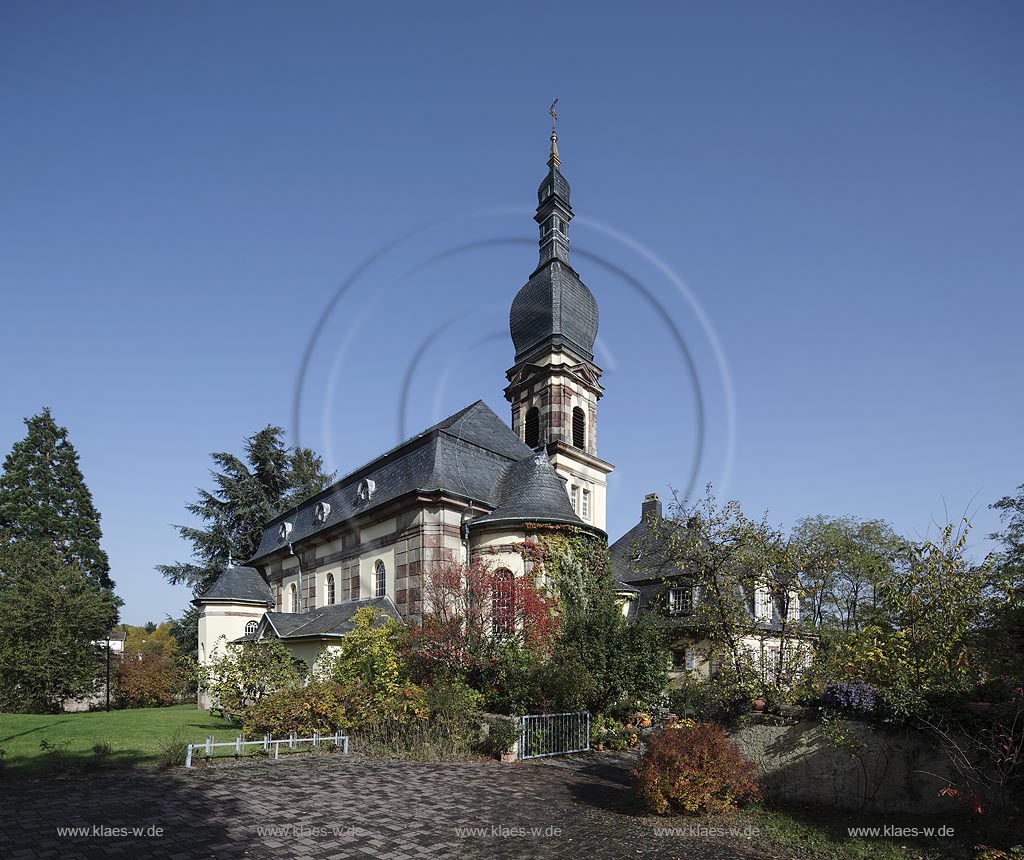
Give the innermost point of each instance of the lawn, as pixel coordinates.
(135, 737)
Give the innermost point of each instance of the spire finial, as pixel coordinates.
(554, 161)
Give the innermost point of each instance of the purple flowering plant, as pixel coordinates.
(851, 696)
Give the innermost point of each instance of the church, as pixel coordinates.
(469, 487)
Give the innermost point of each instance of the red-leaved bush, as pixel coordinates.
(693, 769)
(146, 681)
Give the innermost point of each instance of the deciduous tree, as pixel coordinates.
(53, 616)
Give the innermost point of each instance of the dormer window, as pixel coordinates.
(322, 512)
(284, 532)
(366, 489)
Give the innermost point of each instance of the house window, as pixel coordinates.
(579, 428)
(690, 660)
(762, 604)
(503, 603)
(585, 505)
(533, 427)
(680, 656)
(574, 498)
(329, 589)
(380, 580)
(771, 663)
(793, 609)
(293, 598)
(250, 628)
(680, 601)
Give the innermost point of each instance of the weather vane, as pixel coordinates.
(554, 114)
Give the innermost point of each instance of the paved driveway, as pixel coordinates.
(335, 807)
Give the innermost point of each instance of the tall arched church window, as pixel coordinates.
(293, 598)
(579, 428)
(503, 603)
(329, 589)
(380, 580)
(533, 427)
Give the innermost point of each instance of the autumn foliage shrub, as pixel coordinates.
(147, 680)
(317, 707)
(693, 769)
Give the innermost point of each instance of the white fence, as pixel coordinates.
(554, 734)
(291, 742)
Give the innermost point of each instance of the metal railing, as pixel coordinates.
(554, 734)
(291, 742)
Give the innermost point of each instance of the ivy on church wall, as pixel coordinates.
(574, 561)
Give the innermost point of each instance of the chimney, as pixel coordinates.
(651, 507)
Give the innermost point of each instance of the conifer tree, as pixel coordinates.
(44, 499)
(247, 493)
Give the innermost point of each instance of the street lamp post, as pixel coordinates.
(108, 671)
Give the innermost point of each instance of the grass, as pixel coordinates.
(40, 744)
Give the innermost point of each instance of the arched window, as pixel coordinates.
(579, 428)
(503, 603)
(380, 580)
(293, 598)
(250, 628)
(329, 589)
(533, 427)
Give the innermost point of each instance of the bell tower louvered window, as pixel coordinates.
(579, 428)
(533, 427)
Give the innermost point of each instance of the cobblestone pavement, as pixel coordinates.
(335, 807)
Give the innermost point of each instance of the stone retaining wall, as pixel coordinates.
(898, 771)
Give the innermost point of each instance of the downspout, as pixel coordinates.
(467, 515)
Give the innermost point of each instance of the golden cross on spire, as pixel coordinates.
(554, 160)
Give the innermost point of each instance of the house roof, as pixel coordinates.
(239, 584)
(466, 454)
(531, 490)
(325, 621)
(644, 552)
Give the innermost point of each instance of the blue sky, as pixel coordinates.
(822, 203)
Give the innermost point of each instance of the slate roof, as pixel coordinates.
(554, 306)
(240, 584)
(559, 184)
(531, 490)
(466, 454)
(642, 553)
(330, 621)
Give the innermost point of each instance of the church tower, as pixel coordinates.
(554, 385)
